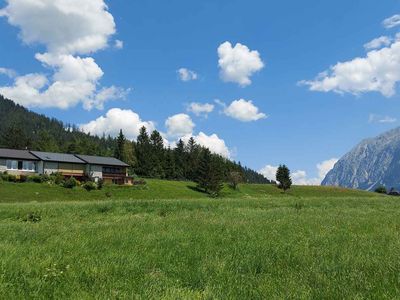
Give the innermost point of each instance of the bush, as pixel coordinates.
(89, 186)
(32, 217)
(381, 190)
(108, 194)
(4, 176)
(139, 182)
(36, 178)
(57, 178)
(100, 183)
(12, 178)
(23, 178)
(70, 183)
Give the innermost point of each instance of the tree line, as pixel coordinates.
(147, 156)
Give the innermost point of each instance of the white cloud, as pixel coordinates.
(237, 64)
(186, 74)
(374, 118)
(212, 142)
(119, 44)
(300, 177)
(179, 125)
(8, 72)
(66, 28)
(325, 166)
(378, 43)
(379, 71)
(200, 108)
(116, 119)
(242, 110)
(391, 22)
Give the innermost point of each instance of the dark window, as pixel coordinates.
(19, 165)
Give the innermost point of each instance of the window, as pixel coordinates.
(29, 166)
(12, 165)
(21, 165)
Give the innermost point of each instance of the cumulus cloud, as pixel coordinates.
(186, 74)
(8, 72)
(179, 125)
(374, 118)
(237, 64)
(378, 43)
(200, 108)
(378, 71)
(116, 119)
(301, 177)
(64, 26)
(242, 110)
(68, 28)
(212, 142)
(391, 22)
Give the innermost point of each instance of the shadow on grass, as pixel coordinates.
(196, 189)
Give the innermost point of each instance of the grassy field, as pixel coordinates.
(169, 241)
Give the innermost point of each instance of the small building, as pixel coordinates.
(66, 164)
(25, 162)
(18, 162)
(110, 169)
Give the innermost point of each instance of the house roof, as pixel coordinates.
(58, 157)
(102, 161)
(17, 154)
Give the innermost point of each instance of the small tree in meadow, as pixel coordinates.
(283, 178)
(235, 178)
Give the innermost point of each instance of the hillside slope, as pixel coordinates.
(373, 162)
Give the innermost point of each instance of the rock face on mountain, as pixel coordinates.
(371, 163)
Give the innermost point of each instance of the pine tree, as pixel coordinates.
(204, 171)
(142, 153)
(170, 170)
(283, 178)
(193, 155)
(156, 155)
(119, 150)
(180, 160)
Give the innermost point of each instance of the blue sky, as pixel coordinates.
(295, 42)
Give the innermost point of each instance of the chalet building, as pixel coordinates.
(25, 162)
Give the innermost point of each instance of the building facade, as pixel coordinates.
(25, 162)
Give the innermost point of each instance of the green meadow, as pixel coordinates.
(169, 241)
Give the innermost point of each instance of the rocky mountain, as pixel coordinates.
(373, 162)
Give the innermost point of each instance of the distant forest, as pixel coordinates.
(147, 156)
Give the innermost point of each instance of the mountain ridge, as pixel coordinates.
(373, 162)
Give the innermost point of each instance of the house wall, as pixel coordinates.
(40, 166)
(3, 165)
(94, 171)
(50, 167)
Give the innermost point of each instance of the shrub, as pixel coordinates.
(100, 183)
(381, 190)
(57, 178)
(89, 186)
(70, 183)
(139, 182)
(12, 178)
(36, 178)
(108, 194)
(4, 176)
(23, 178)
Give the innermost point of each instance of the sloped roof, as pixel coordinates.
(58, 157)
(102, 161)
(17, 154)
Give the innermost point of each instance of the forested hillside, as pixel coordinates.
(148, 157)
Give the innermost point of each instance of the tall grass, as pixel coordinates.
(311, 244)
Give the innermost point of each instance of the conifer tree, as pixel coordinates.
(156, 155)
(119, 150)
(180, 160)
(142, 153)
(170, 170)
(283, 178)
